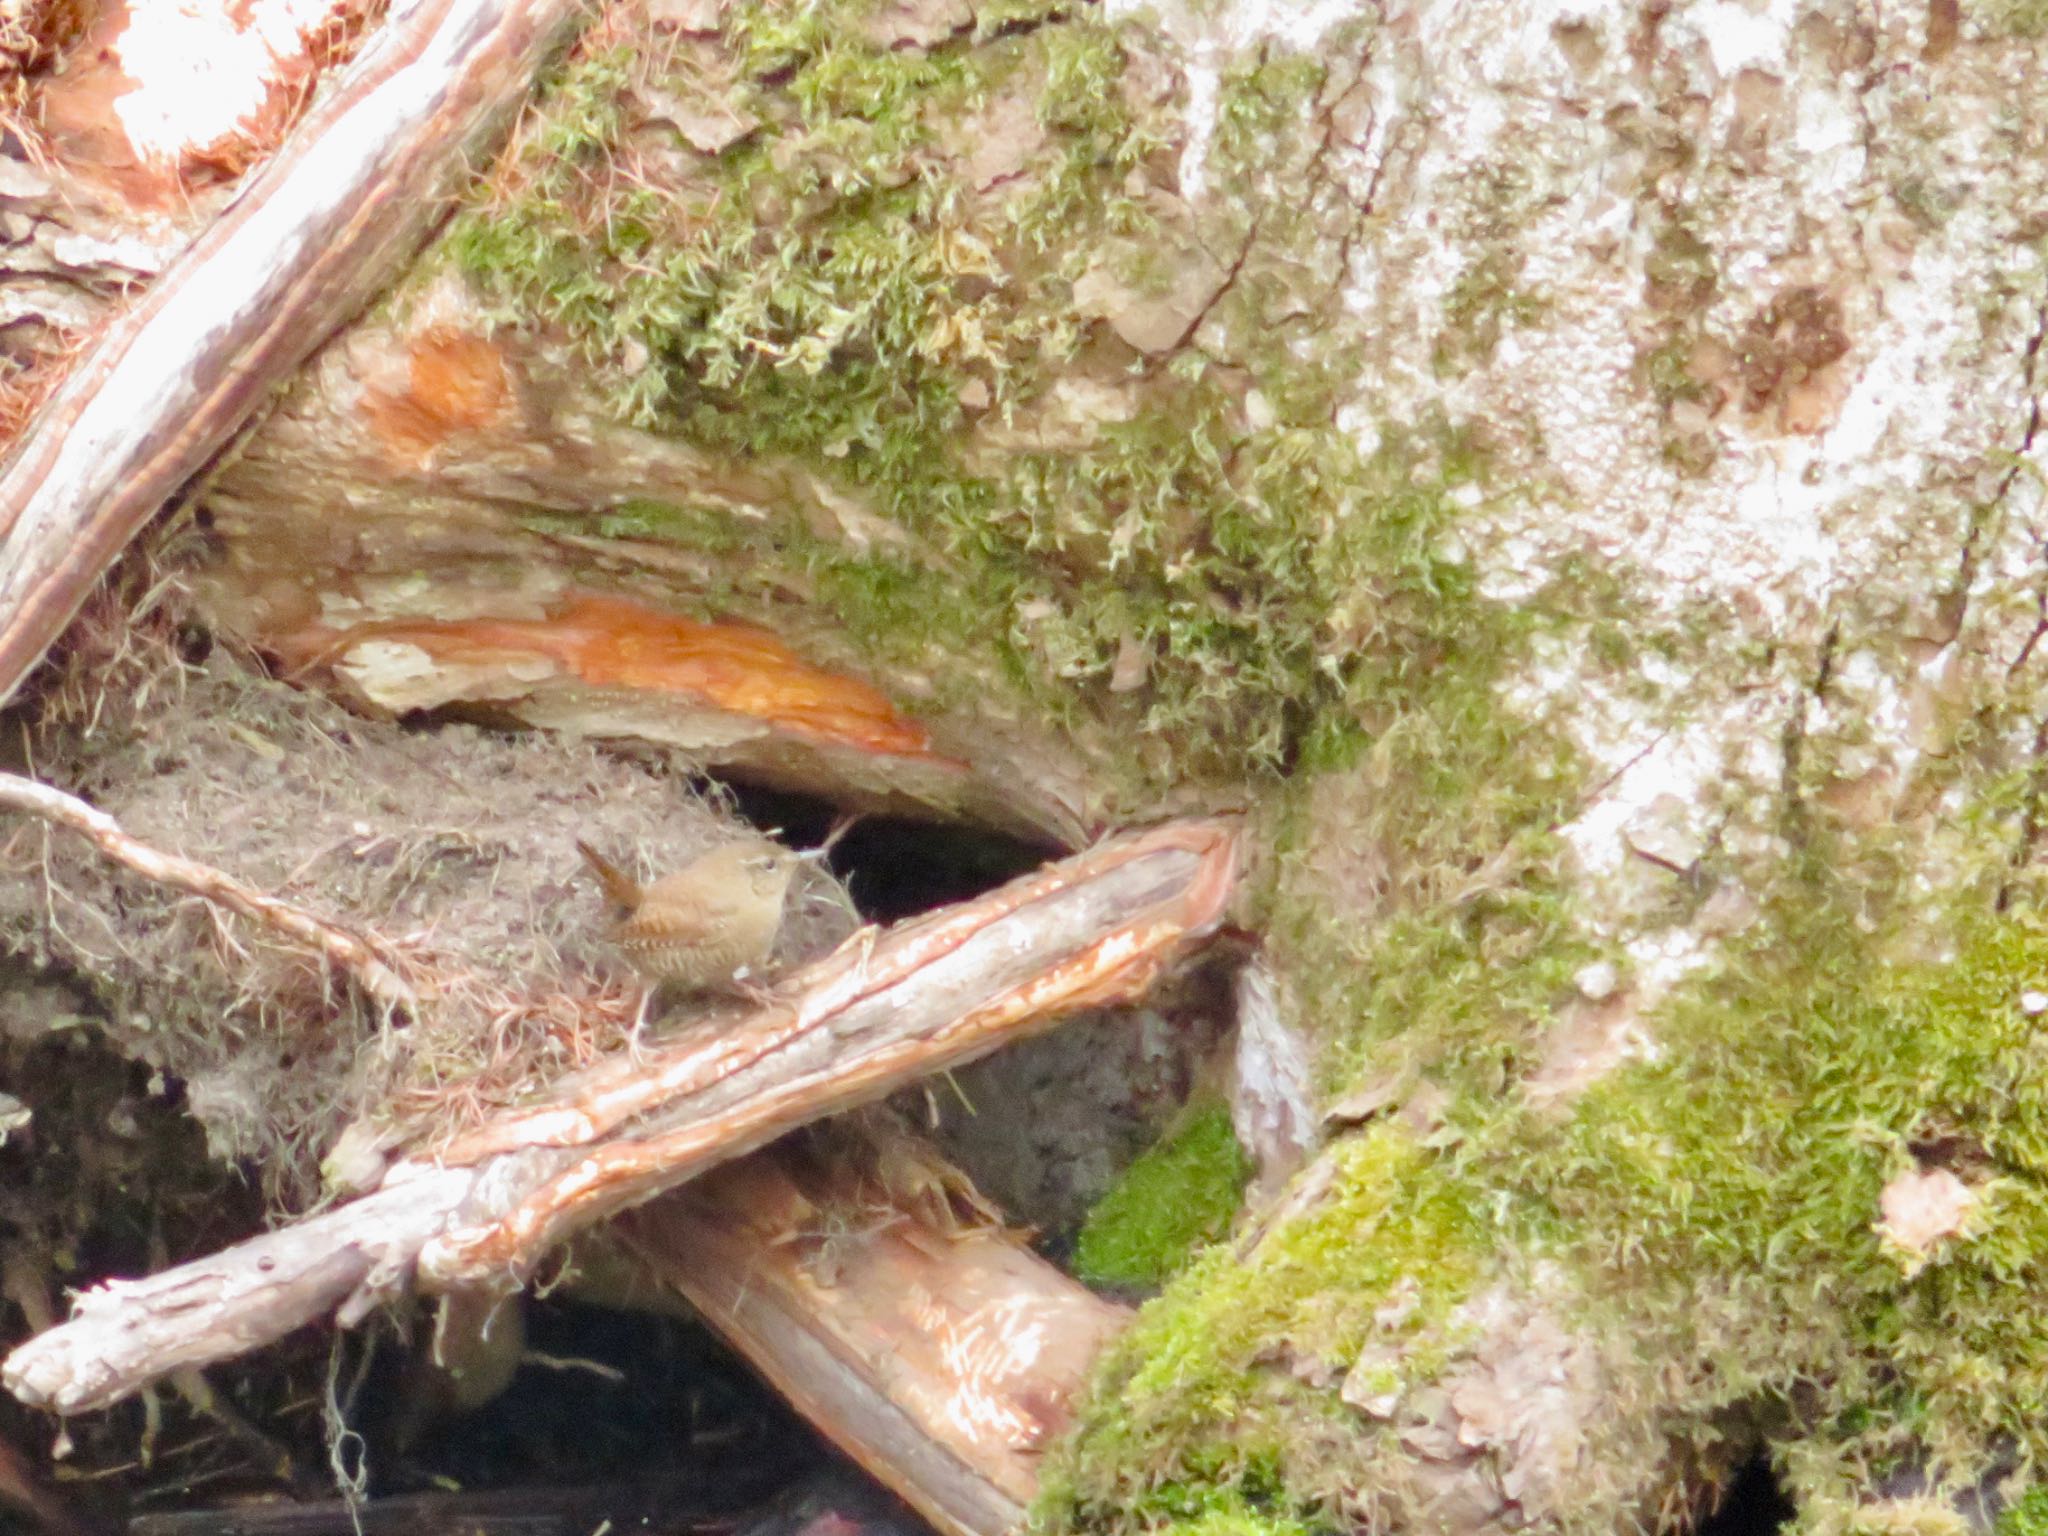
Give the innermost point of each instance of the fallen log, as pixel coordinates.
(884, 1009)
(313, 236)
(941, 1360)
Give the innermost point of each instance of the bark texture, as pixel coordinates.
(1574, 473)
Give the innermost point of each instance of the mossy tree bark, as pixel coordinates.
(1575, 474)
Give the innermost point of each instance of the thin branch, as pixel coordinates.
(885, 1009)
(310, 239)
(350, 951)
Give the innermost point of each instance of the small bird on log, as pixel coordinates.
(706, 926)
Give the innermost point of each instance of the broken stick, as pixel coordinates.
(943, 1362)
(310, 239)
(880, 1012)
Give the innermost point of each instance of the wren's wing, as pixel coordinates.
(682, 910)
(689, 916)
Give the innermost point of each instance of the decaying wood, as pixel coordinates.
(126, 1333)
(883, 1010)
(317, 231)
(941, 1361)
(350, 951)
(590, 663)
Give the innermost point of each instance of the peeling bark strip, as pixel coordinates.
(942, 1363)
(614, 642)
(880, 1012)
(318, 231)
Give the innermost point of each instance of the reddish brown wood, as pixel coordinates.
(942, 1361)
(884, 1010)
(316, 232)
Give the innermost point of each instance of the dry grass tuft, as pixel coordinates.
(455, 847)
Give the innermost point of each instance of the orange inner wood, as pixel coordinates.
(616, 643)
(455, 382)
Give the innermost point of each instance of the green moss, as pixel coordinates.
(1681, 275)
(1483, 303)
(1179, 1195)
(1667, 369)
(1236, 1519)
(828, 290)
(1716, 1205)
(2027, 1515)
(2015, 18)
(707, 528)
(1189, 1410)
(1724, 1197)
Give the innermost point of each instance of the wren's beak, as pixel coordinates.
(839, 829)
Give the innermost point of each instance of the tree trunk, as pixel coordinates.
(1576, 477)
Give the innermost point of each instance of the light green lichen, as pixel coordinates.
(2016, 18)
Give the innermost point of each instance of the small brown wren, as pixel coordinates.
(709, 924)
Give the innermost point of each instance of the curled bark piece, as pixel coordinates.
(590, 663)
(312, 237)
(352, 952)
(885, 1009)
(612, 642)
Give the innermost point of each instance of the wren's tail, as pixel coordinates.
(619, 890)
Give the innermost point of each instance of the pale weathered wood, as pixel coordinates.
(318, 230)
(941, 1361)
(880, 1011)
(883, 1010)
(126, 1333)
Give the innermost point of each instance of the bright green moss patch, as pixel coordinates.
(1180, 1194)
(1723, 1200)
(1716, 1206)
(2027, 1515)
(1237, 1519)
(1211, 1394)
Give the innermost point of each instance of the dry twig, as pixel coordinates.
(353, 953)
